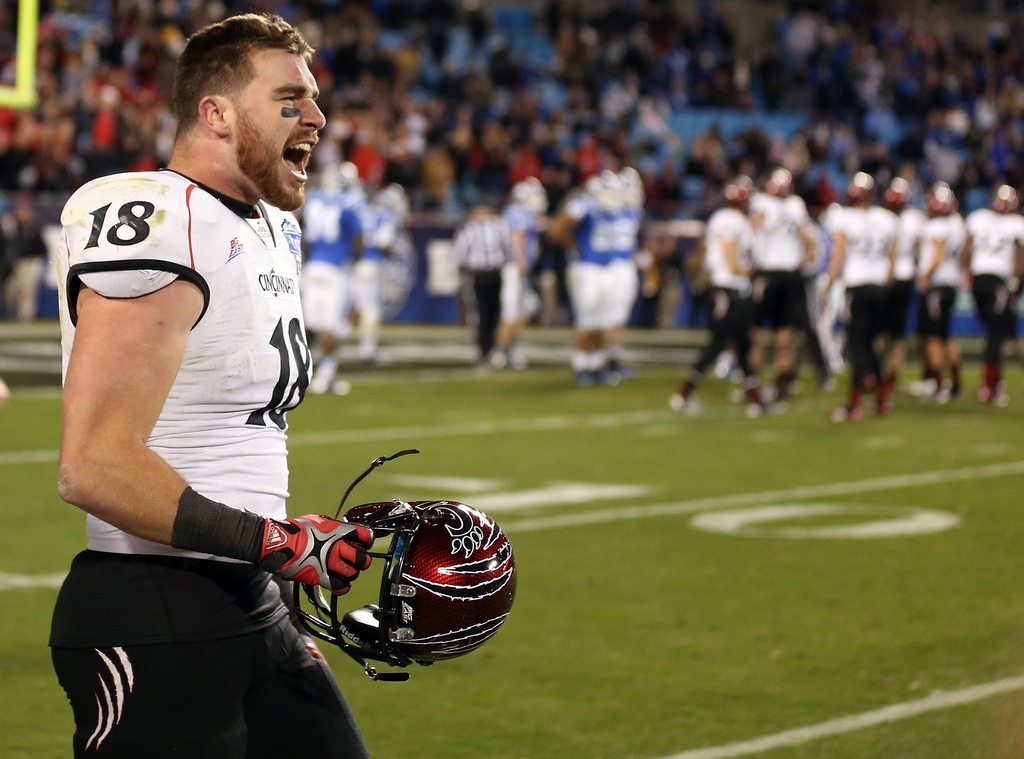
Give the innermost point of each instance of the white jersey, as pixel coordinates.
(728, 224)
(908, 238)
(951, 231)
(994, 240)
(246, 361)
(778, 245)
(869, 234)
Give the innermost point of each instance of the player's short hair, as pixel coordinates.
(217, 60)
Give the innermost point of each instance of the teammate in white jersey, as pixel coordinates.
(784, 243)
(729, 263)
(184, 347)
(939, 277)
(863, 247)
(901, 291)
(994, 256)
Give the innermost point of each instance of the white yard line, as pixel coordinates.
(935, 701)
(895, 482)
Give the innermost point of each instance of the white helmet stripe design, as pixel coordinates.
(467, 592)
(466, 639)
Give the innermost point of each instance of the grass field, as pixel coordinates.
(644, 627)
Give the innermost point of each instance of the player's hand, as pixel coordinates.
(316, 550)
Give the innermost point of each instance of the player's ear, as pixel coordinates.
(216, 112)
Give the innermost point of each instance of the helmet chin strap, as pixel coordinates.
(325, 624)
(379, 461)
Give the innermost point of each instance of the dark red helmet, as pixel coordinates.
(780, 183)
(448, 584)
(941, 200)
(861, 188)
(898, 194)
(738, 191)
(1005, 200)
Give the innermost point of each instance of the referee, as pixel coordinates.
(483, 245)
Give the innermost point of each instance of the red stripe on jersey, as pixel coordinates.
(188, 196)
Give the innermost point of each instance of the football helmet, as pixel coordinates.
(530, 194)
(861, 189)
(780, 183)
(898, 194)
(632, 187)
(341, 178)
(393, 198)
(738, 191)
(606, 190)
(941, 201)
(447, 586)
(1005, 199)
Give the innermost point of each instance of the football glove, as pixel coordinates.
(316, 550)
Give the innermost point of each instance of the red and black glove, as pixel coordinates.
(316, 550)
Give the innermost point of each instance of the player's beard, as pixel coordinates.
(262, 164)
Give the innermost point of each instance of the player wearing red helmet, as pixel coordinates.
(863, 245)
(939, 276)
(993, 255)
(728, 242)
(784, 243)
(897, 199)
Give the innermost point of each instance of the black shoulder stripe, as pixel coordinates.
(74, 283)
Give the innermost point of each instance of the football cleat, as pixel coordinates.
(846, 414)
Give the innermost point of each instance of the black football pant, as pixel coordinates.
(995, 307)
(866, 319)
(730, 322)
(254, 696)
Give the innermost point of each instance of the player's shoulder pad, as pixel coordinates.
(128, 234)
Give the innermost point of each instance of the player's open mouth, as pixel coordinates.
(296, 157)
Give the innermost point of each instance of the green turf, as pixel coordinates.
(635, 635)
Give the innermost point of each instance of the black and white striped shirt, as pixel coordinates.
(483, 243)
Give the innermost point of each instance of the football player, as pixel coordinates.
(729, 261)
(333, 239)
(784, 243)
(529, 201)
(994, 254)
(897, 199)
(382, 224)
(939, 276)
(603, 278)
(184, 349)
(863, 247)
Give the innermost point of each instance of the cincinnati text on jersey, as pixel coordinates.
(272, 282)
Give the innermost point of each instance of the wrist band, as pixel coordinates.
(207, 526)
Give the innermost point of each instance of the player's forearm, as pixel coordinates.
(135, 491)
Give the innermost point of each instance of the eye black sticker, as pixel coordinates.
(290, 112)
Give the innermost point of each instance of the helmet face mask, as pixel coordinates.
(448, 583)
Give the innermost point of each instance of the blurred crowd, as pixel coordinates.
(458, 100)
